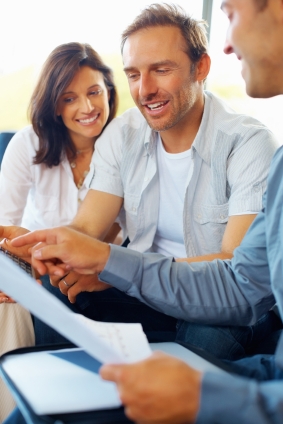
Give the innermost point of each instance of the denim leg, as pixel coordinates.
(266, 334)
(110, 305)
(259, 367)
(233, 342)
(43, 333)
(222, 342)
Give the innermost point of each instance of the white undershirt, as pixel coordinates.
(175, 170)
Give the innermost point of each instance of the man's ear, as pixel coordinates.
(203, 67)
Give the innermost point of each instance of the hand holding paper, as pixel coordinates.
(77, 251)
(162, 380)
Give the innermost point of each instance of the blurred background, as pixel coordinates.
(31, 29)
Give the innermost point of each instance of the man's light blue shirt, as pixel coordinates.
(231, 155)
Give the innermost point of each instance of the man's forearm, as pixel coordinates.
(204, 292)
(97, 214)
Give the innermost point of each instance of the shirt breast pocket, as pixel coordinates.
(218, 214)
(210, 223)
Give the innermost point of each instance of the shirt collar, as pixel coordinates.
(150, 139)
(205, 132)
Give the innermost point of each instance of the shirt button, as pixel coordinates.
(134, 209)
(222, 216)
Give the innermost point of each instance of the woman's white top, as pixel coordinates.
(35, 196)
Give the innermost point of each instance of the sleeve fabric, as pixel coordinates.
(107, 160)
(15, 179)
(247, 170)
(232, 399)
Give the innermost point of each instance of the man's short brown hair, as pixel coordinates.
(163, 14)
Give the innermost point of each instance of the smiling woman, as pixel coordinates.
(74, 99)
(47, 167)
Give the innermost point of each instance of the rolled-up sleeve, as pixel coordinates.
(248, 168)
(107, 160)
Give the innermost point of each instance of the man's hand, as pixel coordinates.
(161, 389)
(73, 284)
(75, 251)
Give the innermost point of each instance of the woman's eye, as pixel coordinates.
(68, 100)
(95, 93)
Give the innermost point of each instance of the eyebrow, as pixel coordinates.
(72, 92)
(153, 65)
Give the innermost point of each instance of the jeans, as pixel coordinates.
(111, 305)
(258, 367)
(232, 343)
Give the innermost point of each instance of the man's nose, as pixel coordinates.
(228, 49)
(147, 87)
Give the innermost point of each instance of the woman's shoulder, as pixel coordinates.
(25, 137)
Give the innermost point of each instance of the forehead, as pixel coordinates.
(239, 4)
(154, 44)
(86, 76)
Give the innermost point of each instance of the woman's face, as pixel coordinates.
(83, 106)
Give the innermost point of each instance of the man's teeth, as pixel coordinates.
(156, 105)
(88, 121)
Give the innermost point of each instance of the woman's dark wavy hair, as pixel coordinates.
(57, 73)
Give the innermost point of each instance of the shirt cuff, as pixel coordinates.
(227, 399)
(121, 267)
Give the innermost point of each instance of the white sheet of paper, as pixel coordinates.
(106, 342)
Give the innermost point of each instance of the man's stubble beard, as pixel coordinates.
(184, 102)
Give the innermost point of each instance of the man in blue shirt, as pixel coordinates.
(163, 389)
